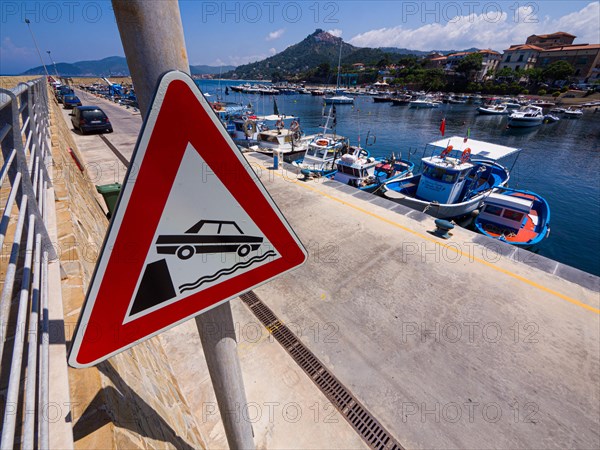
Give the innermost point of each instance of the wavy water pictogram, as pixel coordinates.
(227, 271)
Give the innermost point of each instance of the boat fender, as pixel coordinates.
(466, 155)
(446, 151)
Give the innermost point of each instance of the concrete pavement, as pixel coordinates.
(450, 344)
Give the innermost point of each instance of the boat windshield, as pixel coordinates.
(322, 153)
(439, 173)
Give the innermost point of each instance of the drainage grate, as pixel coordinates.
(372, 432)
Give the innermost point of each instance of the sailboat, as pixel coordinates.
(339, 98)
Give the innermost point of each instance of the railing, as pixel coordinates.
(24, 322)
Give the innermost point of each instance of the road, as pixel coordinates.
(108, 151)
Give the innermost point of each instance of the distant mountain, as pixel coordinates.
(318, 48)
(210, 70)
(111, 66)
(406, 51)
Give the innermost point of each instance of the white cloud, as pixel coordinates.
(241, 60)
(335, 32)
(275, 34)
(272, 51)
(11, 50)
(496, 29)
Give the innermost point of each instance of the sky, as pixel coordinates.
(234, 33)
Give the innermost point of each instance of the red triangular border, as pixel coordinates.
(179, 117)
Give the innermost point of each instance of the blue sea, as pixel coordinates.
(560, 161)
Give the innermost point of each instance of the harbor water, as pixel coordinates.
(560, 161)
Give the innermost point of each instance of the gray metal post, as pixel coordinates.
(152, 37)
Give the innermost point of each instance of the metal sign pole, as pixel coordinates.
(152, 37)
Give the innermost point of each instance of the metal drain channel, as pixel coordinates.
(369, 428)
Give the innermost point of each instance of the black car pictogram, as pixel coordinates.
(228, 238)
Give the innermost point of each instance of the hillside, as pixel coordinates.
(318, 48)
(111, 66)
(316, 57)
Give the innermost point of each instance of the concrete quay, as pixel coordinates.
(464, 343)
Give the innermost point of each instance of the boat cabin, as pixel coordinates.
(506, 210)
(443, 179)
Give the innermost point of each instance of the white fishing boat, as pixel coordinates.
(322, 154)
(526, 116)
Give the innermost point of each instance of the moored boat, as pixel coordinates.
(339, 100)
(493, 109)
(517, 217)
(526, 116)
(366, 173)
(573, 113)
(424, 102)
(451, 184)
(321, 154)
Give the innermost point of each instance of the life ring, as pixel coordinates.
(446, 151)
(322, 142)
(466, 155)
(294, 126)
(249, 127)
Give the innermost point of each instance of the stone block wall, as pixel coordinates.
(132, 400)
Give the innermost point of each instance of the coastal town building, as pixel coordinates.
(545, 41)
(584, 58)
(520, 57)
(489, 64)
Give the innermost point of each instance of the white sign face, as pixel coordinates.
(218, 242)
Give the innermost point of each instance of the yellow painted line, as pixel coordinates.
(441, 244)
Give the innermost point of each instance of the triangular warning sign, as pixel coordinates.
(194, 227)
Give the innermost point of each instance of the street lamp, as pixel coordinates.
(36, 47)
(55, 69)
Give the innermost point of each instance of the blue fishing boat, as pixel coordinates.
(367, 173)
(451, 184)
(517, 217)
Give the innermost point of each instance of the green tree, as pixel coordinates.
(558, 70)
(470, 65)
(505, 72)
(535, 75)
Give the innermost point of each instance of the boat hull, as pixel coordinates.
(524, 123)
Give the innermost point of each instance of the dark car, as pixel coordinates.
(62, 91)
(90, 118)
(70, 101)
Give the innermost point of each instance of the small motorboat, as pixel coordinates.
(520, 218)
(493, 109)
(339, 100)
(557, 110)
(573, 113)
(550, 118)
(526, 116)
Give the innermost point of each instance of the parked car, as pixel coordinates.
(70, 101)
(62, 91)
(90, 118)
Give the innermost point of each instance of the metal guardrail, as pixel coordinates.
(24, 322)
